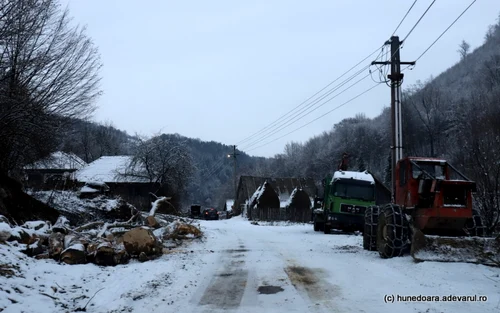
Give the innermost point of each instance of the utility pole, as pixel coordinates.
(396, 78)
(234, 155)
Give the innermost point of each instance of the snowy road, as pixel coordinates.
(294, 269)
(253, 268)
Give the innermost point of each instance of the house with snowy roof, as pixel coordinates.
(115, 172)
(55, 171)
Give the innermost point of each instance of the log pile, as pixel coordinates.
(142, 237)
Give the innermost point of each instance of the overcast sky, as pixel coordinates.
(223, 70)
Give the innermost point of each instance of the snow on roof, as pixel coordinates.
(353, 175)
(258, 193)
(285, 203)
(108, 169)
(58, 160)
(255, 195)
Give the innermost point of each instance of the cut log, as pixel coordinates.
(143, 257)
(180, 230)
(105, 254)
(70, 240)
(20, 236)
(477, 250)
(61, 225)
(56, 245)
(75, 254)
(122, 257)
(151, 222)
(34, 249)
(139, 240)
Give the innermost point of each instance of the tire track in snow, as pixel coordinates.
(226, 289)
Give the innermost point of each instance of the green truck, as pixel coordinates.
(346, 196)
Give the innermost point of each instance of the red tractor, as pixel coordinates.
(432, 208)
(431, 213)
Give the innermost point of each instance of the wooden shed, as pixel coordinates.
(298, 208)
(283, 187)
(264, 205)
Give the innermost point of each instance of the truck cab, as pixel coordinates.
(346, 196)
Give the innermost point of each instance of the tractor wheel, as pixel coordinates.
(370, 228)
(475, 226)
(392, 232)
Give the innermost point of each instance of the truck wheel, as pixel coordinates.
(392, 232)
(326, 229)
(475, 226)
(316, 226)
(321, 226)
(370, 228)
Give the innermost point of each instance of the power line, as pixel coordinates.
(331, 98)
(287, 123)
(332, 82)
(214, 169)
(297, 117)
(321, 116)
(421, 17)
(432, 44)
(404, 17)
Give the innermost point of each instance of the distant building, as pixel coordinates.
(112, 170)
(55, 171)
(299, 207)
(283, 187)
(264, 205)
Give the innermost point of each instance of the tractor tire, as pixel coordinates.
(475, 226)
(392, 232)
(370, 228)
(316, 226)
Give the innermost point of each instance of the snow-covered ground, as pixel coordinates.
(241, 267)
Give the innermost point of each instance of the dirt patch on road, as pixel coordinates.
(311, 284)
(269, 290)
(301, 275)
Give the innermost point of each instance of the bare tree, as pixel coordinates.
(429, 104)
(164, 162)
(463, 49)
(48, 70)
